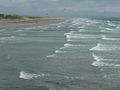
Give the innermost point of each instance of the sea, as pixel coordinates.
(74, 54)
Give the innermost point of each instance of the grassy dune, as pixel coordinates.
(14, 16)
(13, 20)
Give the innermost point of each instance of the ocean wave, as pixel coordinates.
(81, 21)
(71, 32)
(101, 64)
(67, 45)
(101, 47)
(7, 38)
(111, 24)
(19, 30)
(81, 27)
(105, 38)
(81, 36)
(99, 61)
(109, 29)
(25, 75)
(50, 56)
(59, 51)
(100, 58)
(81, 30)
(117, 27)
(71, 45)
(36, 27)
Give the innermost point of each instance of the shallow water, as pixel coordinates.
(78, 54)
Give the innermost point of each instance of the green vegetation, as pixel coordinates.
(4, 16)
(14, 16)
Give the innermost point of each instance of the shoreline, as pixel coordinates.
(9, 23)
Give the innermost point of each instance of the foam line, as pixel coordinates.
(101, 47)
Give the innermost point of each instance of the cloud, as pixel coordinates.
(56, 7)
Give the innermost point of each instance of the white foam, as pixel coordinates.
(81, 27)
(117, 27)
(99, 61)
(81, 30)
(70, 45)
(101, 47)
(99, 58)
(8, 38)
(71, 32)
(111, 24)
(50, 56)
(105, 38)
(86, 36)
(25, 75)
(58, 26)
(101, 64)
(59, 51)
(109, 29)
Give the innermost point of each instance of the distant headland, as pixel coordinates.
(16, 20)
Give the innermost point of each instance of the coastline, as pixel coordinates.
(8, 23)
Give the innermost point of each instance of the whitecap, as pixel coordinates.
(59, 51)
(81, 30)
(81, 27)
(50, 56)
(99, 61)
(117, 27)
(25, 75)
(109, 29)
(8, 38)
(81, 36)
(58, 26)
(105, 38)
(71, 32)
(101, 64)
(111, 24)
(100, 58)
(101, 47)
(70, 45)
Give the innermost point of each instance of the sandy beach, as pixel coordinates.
(5, 23)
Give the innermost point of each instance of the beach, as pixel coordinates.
(27, 22)
(76, 54)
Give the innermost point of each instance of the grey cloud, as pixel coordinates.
(61, 7)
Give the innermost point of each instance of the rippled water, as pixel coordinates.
(77, 54)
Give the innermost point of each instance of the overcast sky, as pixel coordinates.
(62, 7)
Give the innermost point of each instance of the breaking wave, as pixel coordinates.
(25, 75)
(8, 38)
(59, 51)
(109, 29)
(105, 38)
(50, 56)
(99, 61)
(81, 36)
(101, 47)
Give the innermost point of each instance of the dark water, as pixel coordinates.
(78, 54)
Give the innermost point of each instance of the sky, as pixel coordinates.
(74, 8)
